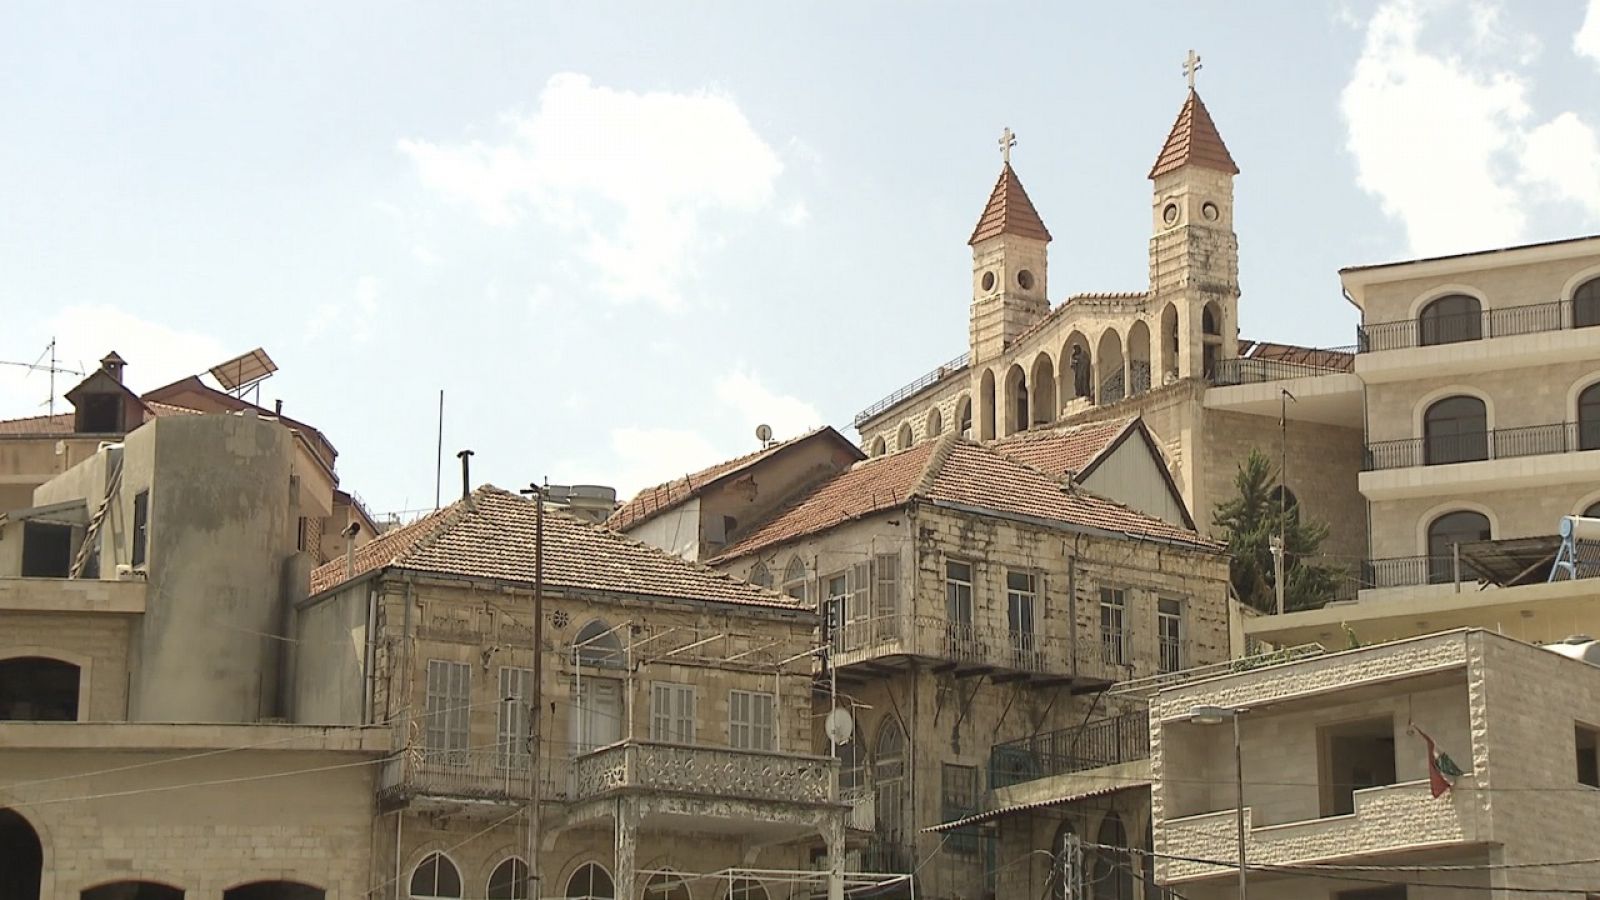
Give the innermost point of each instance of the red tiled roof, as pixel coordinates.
(1063, 452)
(1009, 211)
(653, 501)
(1194, 141)
(491, 535)
(61, 423)
(956, 471)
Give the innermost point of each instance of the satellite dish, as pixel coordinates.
(763, 434)
(840, 725)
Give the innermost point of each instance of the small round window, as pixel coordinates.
(988, 281)
(1169, 214)
(1025, 280)
(1209, 210)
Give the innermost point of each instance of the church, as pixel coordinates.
(1169, 353)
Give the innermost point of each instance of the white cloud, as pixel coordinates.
(632, 177)
(751, 403)
(353, 318)
(796, 215)
(1449, 144)
(1587, 41)
(156, 355)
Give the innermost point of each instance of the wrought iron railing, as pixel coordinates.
(1499, 443)
(1244, 370)
(915, 387)
(708, 771)
(485, 775)
(1503, 321)
(936, 637)
(1103, 742)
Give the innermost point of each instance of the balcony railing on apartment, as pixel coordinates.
(1499, 443)
(935, 637)
(1504, 321)
(915, 387)
(1247, 370)
(1103, 742)
(708, 771)
(485, 775)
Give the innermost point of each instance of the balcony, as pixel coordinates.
(1104, 742)
(1390, 819)
(461, 776)
(1501, 459)
(710, 772)
(1500, 338)
(1504, 321)
(1500, 443)
(1255, 370)
(971, 649)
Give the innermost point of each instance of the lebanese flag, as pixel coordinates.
(1442, 770)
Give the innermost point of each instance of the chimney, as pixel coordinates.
(466, 473)
(277, 407)
(112, 364)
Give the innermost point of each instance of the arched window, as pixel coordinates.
(1042, 403)
(274, 890)
(935, 422)
(964, 416)
(21, 857)
(1445, 533)
(509, 880)
(1113, 869)
(1210, 340)
(746, 889)
(879, 446)
(794, 578)
(436, 876)
(597, 645)
(1455, 429)
(590, 882)
(1169, 343)
(1593, 512)
(1112, 386)
(1449, 320)
(132, 890)
(667, 885)
(1589, 418)
(986, 406)
(903, 442)
(759, 574)
(1586, 304)
(1210, 321)
(37, 689)
(889, 772)
(1016, 400)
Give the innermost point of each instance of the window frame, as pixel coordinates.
(673, 708)
(1114, 625)
(1169, 647)
(513, 716)
(139, 553)
(745, 725)
(1585, 733)
(454, 730)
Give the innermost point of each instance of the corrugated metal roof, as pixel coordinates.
(993, 814)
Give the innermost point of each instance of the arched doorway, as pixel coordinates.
(1113, 385)
(1445, 533)
(132, 890)
(21, 858)
(986, 406)
(1586, 304)
(1589, 418)
(1043, 401)
(1113, 869)
(1450, 320)
(1169, 344)
(1455, 429)
(38, 689)
(1016, 400)
(889, 772)
(1210, 340)
(1138, 358)
(274, 890)
(1077, 367)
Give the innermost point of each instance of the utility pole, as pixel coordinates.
(1278, 541)
(536, 707)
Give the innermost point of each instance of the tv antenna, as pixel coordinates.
(764, 435)
(53, 367)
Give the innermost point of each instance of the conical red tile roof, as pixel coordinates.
(1009, 211)
(1194, 141)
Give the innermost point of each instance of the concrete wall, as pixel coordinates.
(751, 497)
(330, 671)
(221, 530)
(1496, 284)
(677, 531)
(85, 623)
(28, 461)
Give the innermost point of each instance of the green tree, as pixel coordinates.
(1250, 519)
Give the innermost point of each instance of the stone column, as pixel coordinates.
(626, 835)
(833, 836)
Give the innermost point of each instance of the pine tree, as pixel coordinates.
(1250, 520)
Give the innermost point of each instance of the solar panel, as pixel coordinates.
(244, 370)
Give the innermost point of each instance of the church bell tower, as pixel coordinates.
(1194, 253)
(1008, 264)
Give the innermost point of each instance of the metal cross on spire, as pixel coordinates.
(1191, 65)
(1008, 139)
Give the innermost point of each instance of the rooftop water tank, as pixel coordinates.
(1579, 647)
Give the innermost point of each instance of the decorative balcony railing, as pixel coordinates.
(1103, 742)
(916, 387)
(1503, 321)
(491, 775)
(1499, 443)
(1244, 370)
(973, 645)
(706, 771)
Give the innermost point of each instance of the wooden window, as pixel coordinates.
(448, 702)
(750, 721)
(512, 728)
(672, 713)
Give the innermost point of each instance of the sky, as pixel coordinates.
(619, 236)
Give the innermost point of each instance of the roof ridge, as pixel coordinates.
(937, 457)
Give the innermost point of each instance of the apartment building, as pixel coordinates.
(976, 611)
(676, 756)
(1338, 801)
(144, 749)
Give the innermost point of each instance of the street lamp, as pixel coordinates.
(1216, 715)
(540, 493)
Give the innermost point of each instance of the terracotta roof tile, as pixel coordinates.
(60, 423)
(1063, 452)
(491, 535)
(1194, 141)
(1009, 211)
(957, 471)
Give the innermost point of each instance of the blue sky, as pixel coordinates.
(619, 236)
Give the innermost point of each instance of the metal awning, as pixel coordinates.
(1512, 561)
(68, 512)
(999, 812)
